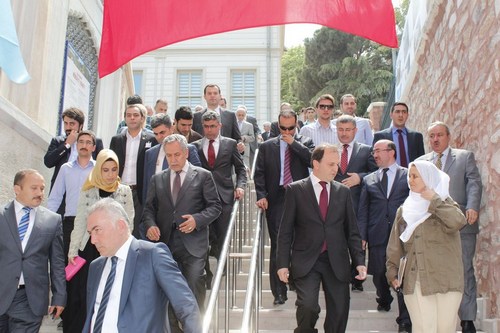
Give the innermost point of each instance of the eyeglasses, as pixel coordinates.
(379, 150)
(291, 128)
(326, 106)
(347, 130)
(209, 126)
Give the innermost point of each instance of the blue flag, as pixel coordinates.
(11, 59)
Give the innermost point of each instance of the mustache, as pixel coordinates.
(40, 197)
(85, 149)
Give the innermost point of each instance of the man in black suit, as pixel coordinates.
(382, 192)
(220, 156)
(230, 129)
(317, 237)
(63, 148)
(281, 160)
(409, 144)
(130, 146)
(181, 203)
(355, 163)
(267, 131)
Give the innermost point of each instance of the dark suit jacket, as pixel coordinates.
(198, 197)
(362, 163)
(227, 158)
(465, 184)
(265, 136)
(376, 212)
(44, 247)
(119, 145)
(57, 154)
(268, 166)
(151, 281)
(150, 164)
(302, 231)
(228, 120)
(415, 142)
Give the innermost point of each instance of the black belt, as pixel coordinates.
(22, 286)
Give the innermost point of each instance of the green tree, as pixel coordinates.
(338, 63)
(292, 63)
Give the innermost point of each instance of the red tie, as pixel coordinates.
(402, 149)
(343, 159)
(323, 207)
(211, 154)
(287, 173)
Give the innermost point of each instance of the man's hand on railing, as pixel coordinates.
(262, 203)
(283, 274)
(239, 193)
(153, 234)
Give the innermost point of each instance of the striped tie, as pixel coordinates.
(25, 221)
(99, 319)
(287, 172)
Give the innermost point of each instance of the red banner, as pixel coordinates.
(131, 27)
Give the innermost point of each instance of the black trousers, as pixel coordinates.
(336, 294)
(273, 216)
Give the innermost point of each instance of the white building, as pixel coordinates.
(246, 64)
(30, 112)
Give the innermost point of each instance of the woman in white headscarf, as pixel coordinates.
(426, 232)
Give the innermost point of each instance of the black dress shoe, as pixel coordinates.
(385, 308)
(357, 287)
(280, 299)
(404, 328)
(468, 326)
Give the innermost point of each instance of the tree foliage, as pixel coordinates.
(292, 63)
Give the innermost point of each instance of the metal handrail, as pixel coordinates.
(212, 302)
(253, 293)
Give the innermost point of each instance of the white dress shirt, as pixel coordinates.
(160, 160)
(216, 143)
(182, 174)
(129, 176)
(318, 188)
(110, 322)
(18, 207)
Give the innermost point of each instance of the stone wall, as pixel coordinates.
(457, 80)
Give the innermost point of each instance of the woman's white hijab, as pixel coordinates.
(416, 208)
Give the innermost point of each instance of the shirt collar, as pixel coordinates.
(132, 137)
(445, 152)
(395, 130)
(122, 252)
(19, 206)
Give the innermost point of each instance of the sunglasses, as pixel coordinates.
(326, 106)
(291, 128)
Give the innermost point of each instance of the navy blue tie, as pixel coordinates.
(25, 221)
(99, 319)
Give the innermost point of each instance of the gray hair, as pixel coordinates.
(210, 115)
(287, 114)
(241, 107)
(177, 138)
(161, 119)
(439, 123)
(113, 209)
(344, 119)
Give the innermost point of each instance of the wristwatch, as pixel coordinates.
(67, 145)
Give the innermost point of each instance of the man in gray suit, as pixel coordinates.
(466, 190)
(181, 203)
(382, 192)
(131, 284)
(247, 133)
(30, 240)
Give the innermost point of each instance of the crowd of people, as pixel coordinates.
(143, 216)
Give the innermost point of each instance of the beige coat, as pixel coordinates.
(433, 250)
(79, 235)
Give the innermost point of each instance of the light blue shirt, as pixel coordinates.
(395, 139)
(391, 175)
(320, 134)
(69, 180)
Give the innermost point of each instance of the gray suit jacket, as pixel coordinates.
(227, 158)
(151, 281)
(465, 185)
(44, 247)
(376, 211)
(198, 197)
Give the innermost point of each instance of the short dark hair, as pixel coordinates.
(89, 133)
(211, 85)
(400, 103)
(19, 177)
(134, 99)
(160, 119)
(319, 151)
(184, 112)
(76, 114)
(287, 114)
